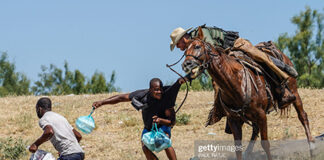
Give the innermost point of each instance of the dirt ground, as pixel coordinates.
(118, 127)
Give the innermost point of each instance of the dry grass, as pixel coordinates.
(118, 127)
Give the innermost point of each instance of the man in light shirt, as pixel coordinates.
(57, 129)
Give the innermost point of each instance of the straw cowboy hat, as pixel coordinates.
(176, 35)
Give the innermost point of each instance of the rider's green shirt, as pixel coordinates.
(212, 36)
(216, 36)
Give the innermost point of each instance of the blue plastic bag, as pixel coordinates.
(86, 123)
(156, 140)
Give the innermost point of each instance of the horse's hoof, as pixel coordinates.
(312, 148)
(247, 155)
(194, 158)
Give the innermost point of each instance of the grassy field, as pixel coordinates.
(118, 127)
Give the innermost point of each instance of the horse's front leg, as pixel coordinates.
(249, 149)
(262, 124)
(236, 128)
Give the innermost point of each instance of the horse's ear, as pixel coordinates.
(200, 33)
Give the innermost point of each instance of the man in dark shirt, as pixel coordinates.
(157, 105)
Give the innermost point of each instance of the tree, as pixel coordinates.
(52, 81)
(12, 82)
(44, 86)
(111, 84)
(55, 81)
(306, 47)
(97, 83)
(79, 86)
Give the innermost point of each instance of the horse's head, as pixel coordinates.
(197, 58)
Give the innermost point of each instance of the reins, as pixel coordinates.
(170, 67)
(204, 65)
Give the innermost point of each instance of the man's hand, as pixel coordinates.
(47, 135)
(33, 148)
(97, 104)
(156, 119)
(78, 136)
(182, 81)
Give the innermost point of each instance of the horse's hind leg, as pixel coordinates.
(302, 116)
(262, 124)
(249, 149)
(236, 128)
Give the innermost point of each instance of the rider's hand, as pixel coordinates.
(156, 119)
(33, 148)
(97, 104)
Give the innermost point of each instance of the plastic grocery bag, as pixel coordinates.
(156, 140)
(86, 123)
(42, 155)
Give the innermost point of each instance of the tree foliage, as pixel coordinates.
(306, 47)
(52, 81)
(201, 83)
(12, 82)
(55, 81)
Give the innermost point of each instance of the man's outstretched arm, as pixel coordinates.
(112, 100)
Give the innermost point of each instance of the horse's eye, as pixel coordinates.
(197, 47)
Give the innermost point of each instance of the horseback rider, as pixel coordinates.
(218, 37)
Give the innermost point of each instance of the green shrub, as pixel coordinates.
(183, 119)
(12, 149)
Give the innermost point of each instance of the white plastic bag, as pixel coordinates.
(42, 155)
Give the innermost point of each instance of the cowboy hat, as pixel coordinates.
(176, 35)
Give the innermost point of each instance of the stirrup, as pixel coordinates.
(284, 82)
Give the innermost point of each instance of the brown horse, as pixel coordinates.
(243, 95)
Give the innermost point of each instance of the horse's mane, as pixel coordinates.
(219, 49)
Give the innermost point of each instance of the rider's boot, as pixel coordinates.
(291, 71)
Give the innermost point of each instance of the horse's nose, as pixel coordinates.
(184, 66)
(188, 65)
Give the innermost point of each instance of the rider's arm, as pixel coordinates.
(112, 100)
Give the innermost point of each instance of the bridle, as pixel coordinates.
(204, 64)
